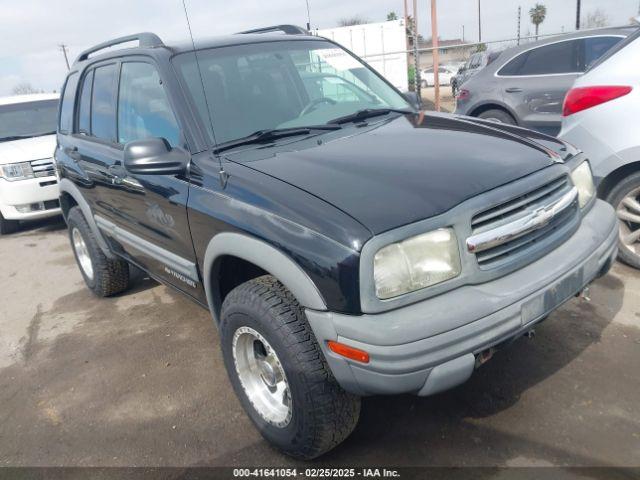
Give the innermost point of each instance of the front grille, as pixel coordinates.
(506, 250)
(43, 168)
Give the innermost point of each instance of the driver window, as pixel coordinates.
(143, 108)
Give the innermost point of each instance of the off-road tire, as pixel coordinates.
(614, 197)
(323, 414)
(498, 115)
(8, 226)
(110, 276)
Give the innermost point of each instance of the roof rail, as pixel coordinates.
(286, 29)
(145, 39)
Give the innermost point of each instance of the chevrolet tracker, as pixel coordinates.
(345, 243)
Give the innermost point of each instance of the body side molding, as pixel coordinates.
(264, 256)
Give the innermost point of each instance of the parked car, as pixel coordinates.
(476, 62)
(601, 117)
(445, 74)
(345, 246)
(28, 186)
(526, 85)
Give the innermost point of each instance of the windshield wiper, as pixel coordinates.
(22, 137)
(367, 113)
(272, 134)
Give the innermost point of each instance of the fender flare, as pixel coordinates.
(267, 258)
(68, 187)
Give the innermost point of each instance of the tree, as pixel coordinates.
(538, 14)
(355, 20)
(391, 16)
(596, 18)
(481, 47)
(24, 88)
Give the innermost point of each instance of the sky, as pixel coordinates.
(31, 30)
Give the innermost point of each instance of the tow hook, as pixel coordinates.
(484, 356)
(584, 294)
(530, 334)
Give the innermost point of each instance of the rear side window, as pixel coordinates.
(561, 57)
(84, 110)
(143, 107)
(103, 111)
(595, 47)
(65, 123)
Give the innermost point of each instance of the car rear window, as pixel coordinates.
(612, 51)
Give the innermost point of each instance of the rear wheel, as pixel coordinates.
(625, 198)
(280, 374)
(8, 226)
(498, 116)
(104, 276)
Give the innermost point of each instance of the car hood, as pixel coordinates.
(405, 169)
(27, 149)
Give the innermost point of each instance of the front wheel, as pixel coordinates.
(279, 372)
(8, 226)
(625, 198)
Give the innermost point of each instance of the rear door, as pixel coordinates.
(534, 83)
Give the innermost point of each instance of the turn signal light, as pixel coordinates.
(581, 98)
(348, 352)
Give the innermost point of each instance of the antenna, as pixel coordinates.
(195, 53)
(63, 47)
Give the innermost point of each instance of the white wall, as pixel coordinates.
(370, 41)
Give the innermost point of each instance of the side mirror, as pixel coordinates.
(154, 156)
(413, 99)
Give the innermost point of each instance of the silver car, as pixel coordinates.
(601, 118)
(526, 85)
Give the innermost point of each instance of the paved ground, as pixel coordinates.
(138, 380)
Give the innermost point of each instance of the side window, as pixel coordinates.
(84, 109)
(474, 62)
(556, 58)
(143, 107)
(595, 47)
(103, 112)
(65, 122)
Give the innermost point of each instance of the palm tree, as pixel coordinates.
(538, 14)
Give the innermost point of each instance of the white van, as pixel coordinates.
(28, 184)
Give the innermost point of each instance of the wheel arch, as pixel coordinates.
(259, 258)
(614, 177)
(70, 196)
(478, 109)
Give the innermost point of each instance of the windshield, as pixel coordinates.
(281, 84)
(28, 119)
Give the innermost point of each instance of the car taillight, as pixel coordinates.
(463, 94)
(581, 98)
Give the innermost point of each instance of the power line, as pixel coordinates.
(63, 47)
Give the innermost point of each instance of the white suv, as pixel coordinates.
(28, 184)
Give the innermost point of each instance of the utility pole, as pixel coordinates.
(63, 47)
(406, 29)
(462, 33)
(578, 15)
(519, 14)
(416, 61)
(435, 53)
(308, 18)
(480, 24)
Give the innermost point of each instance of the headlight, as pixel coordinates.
(583, 180)
(416, 263)
(16, 171)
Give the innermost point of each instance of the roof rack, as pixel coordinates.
(286, 29)
(145, 39)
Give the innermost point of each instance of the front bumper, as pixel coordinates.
(27, 192)
(411, 349)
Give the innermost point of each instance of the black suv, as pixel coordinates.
(345, 243)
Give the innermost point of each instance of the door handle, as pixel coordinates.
(513, 90)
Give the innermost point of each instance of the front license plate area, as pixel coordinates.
(551, 298)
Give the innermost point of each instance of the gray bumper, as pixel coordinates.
(411, 349)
